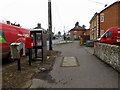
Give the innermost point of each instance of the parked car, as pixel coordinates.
(90, 43)
(111, 36)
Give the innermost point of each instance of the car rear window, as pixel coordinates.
(2, 37)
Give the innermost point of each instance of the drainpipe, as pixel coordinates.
(99, 24)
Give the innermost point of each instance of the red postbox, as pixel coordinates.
(29, 42)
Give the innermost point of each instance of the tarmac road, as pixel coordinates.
(90, 72)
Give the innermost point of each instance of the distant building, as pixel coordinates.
(94, 27)
(87, 32)
(46, 31)
(105, 19)
(77, 31)
(48, 34)
(38, 35)
(85, 36)
(39, 27)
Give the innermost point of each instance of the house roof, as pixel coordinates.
(100, 11)
(93, 17)
(78, 28)
(108, 6)
(86, 30)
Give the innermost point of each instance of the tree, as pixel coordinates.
(14, 24)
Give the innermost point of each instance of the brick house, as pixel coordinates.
(107, 18)
(94, 26)
(110, 17)
(46, 31)
(87, 32)
(77, 31)
(85, 36)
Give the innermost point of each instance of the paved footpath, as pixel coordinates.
(90, 72)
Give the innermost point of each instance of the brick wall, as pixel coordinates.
(109, 54)
(84, 38)
(94, 27)
(87, 32)
(78, 33)
(111, 17)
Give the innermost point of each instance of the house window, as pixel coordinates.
(75, 31)
(94, 23)
(102, 18)
(75, 37)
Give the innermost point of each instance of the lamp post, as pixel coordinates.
(50, 24)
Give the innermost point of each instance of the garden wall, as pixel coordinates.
(108, 53)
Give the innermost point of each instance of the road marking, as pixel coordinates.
(69, 62)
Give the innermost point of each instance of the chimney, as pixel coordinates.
(39, 25)
(77, 24)
(83, 26)
(8, 22)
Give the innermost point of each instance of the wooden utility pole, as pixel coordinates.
(50, 24)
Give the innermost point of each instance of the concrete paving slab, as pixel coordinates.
(69, 62)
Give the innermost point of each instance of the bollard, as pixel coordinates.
(19, 66)
(30, 56)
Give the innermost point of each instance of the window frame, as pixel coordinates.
(75, 36)
(75, 31)
(102, 18)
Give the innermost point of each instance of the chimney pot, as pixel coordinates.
(39, 25)
(8, 22)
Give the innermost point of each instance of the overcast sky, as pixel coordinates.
(64, 12)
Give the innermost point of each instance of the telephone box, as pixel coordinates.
(29, 42)
(40, 44)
